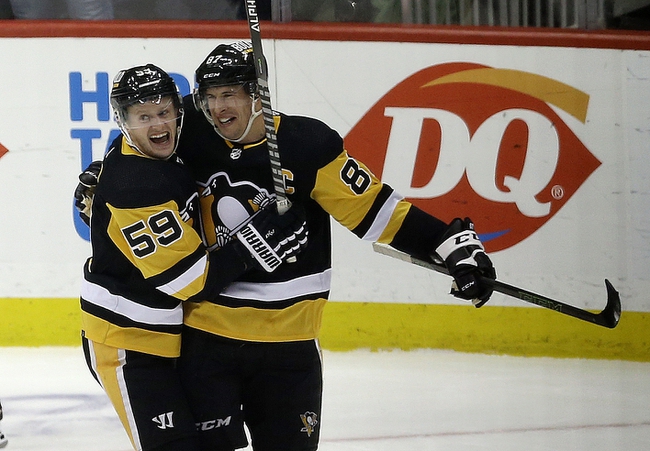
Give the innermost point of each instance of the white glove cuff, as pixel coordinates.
(464, 238)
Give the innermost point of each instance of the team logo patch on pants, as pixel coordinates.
(310, 420)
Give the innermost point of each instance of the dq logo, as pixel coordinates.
(462, 139)
(3, 150)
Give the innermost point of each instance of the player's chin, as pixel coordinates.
(161, 149)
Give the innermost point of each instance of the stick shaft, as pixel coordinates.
(261, 70)
(609, 317)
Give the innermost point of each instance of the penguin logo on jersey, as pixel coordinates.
(226, 206)
(310, 421)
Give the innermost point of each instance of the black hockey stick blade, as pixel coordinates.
(609, 317)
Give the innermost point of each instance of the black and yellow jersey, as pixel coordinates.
(321, 177)
(147, 254)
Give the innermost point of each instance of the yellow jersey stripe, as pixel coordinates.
(395, 222)
(145, 341)
(301, 321)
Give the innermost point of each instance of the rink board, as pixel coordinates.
(515, 331)
(575, 209)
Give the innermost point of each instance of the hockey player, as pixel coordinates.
(148, 257)
(256, 345)
(251, 355)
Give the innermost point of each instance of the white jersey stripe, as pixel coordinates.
(383, 217)
(194, 272)
(279, 291)
(100, 296)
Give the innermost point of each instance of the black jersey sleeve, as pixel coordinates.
(419, 233)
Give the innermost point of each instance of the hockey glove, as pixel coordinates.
(83, 194)
(272, 238)
(465, 258)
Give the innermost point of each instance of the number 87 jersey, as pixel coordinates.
(147, 254)
(321, 179)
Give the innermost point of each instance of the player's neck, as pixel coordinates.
(256, 133)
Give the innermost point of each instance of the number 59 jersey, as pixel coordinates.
(147, 254)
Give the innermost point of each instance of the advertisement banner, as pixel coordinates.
(546, 149)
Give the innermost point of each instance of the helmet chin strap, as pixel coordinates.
(251, 119)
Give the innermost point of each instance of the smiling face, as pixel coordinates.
(152, 126)
(231, 108)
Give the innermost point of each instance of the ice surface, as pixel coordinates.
(379, 401)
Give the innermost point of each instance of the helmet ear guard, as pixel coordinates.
(252, 88)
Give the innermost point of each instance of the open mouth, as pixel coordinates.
(160, 138)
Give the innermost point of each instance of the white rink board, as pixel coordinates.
(603, 231)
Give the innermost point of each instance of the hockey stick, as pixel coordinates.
(283, 203)
(609, 317)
